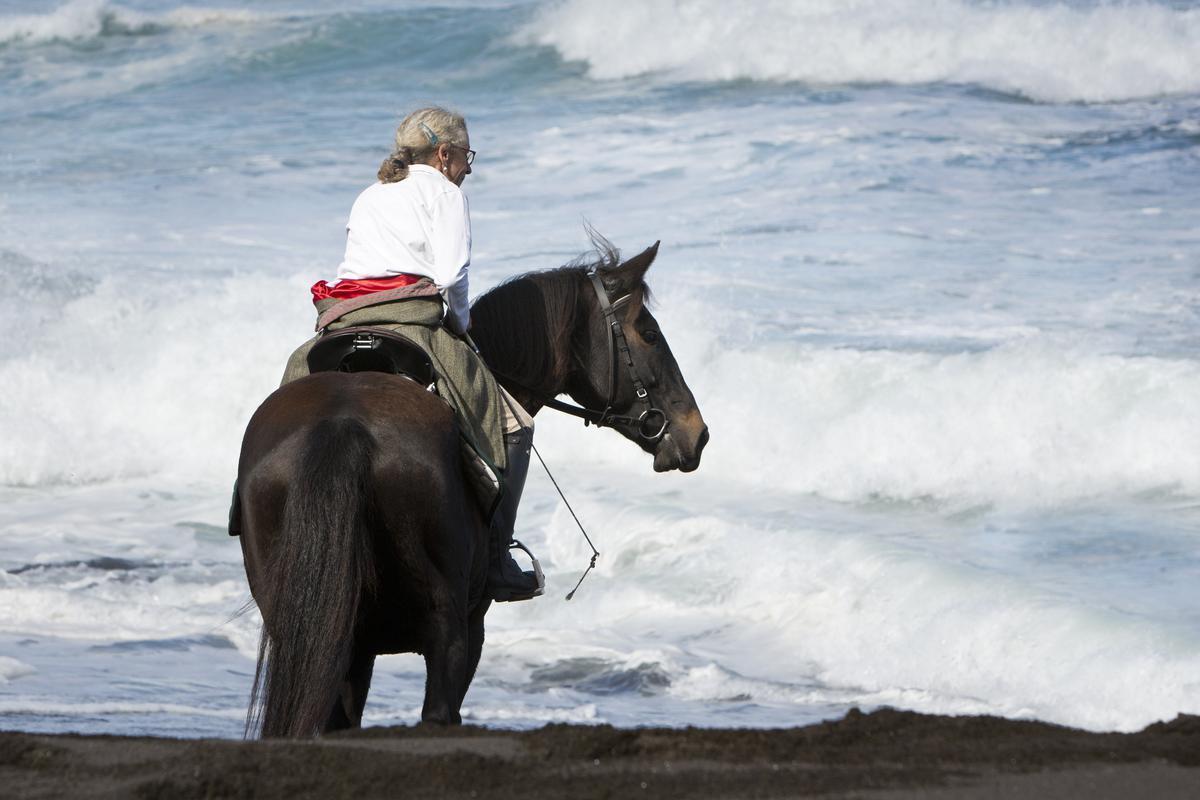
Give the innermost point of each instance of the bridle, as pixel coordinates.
(651, 424)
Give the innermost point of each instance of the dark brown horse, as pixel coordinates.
(359, 532)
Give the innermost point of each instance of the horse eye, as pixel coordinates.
(650, 336)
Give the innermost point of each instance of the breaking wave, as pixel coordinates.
(160, 388)
(1051, 52)
(81, 20)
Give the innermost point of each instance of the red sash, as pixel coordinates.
(344, 290)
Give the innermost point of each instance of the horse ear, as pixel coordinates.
(632, 272)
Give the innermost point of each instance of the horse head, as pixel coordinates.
(624, 364)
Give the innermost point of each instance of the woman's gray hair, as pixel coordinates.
(418, 137)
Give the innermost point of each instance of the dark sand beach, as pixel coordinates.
(886, 753)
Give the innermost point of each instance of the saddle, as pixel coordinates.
(366, 349)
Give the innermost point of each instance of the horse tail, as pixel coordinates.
(321, 568)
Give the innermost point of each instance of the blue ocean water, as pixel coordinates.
(931, 269)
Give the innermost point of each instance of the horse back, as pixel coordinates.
(425, 528)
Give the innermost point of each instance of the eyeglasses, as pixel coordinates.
(470, 154)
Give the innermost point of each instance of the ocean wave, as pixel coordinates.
(509, 713)
(1029, 423)
(1051, 52)
(1037, 421)
(171, 613)
(804, 612)
(81, 20)
(123, 409)
(1033, 422)
(11, 668)
(503, 714)
(43, 708)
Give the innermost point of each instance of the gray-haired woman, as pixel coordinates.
(414, 227)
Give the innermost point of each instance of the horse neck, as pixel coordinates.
(525, 329)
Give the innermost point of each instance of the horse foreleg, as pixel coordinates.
(352, 697)
(445, 663)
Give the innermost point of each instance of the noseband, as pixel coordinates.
(651, 424)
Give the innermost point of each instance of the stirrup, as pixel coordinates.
(537, 573)
(537, 566)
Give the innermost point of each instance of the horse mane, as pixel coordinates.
(530, 320)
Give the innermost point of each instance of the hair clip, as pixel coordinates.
(428, 131)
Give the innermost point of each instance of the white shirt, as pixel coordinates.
(420, 225)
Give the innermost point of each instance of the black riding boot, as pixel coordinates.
(507, 581)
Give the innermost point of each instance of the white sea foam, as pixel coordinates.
(519, 712)
(43, 708)
(111, 406)
(96, 606)
(87, 19)
(11, 668)
(504, 713)
(1025, 422)
(1047, 51)
(784, 613)
(1033, 422)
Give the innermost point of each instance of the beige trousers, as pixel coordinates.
(513, 416)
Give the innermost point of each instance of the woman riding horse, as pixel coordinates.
(358, 524)
(411, 229)
(360, 533)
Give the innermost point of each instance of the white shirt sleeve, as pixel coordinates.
(451, 239)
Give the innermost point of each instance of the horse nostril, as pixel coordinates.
(703, 440)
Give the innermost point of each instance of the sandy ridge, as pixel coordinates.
(886, 753)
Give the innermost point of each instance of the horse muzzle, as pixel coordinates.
(680, 449)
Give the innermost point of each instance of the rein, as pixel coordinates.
(651, 424)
